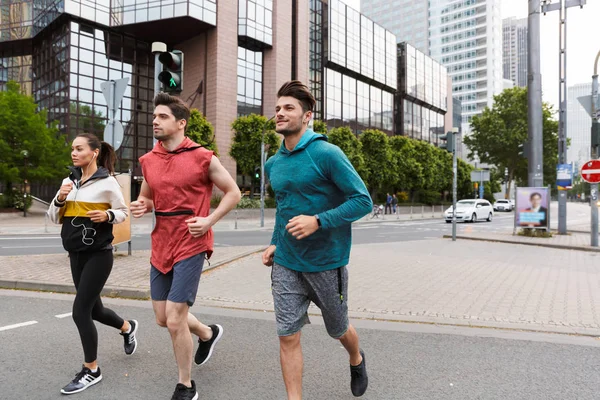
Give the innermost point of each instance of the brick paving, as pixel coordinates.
(465, 282)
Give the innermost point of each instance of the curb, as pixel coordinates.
(550, 245)
(108, 291)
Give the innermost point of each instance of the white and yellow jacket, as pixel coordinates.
(100, 192)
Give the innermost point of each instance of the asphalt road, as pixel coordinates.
(405, 361)
(389, 230)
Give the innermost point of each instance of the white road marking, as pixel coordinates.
(29, 238)
(5, 328)
(64, 315)
(30, 247)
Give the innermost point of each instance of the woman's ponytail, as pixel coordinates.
(107, 158)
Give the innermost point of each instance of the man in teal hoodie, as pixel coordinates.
(319, 195)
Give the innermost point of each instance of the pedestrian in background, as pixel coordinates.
(388, 203)
(87, 205)
(394, 203)
(319, 195)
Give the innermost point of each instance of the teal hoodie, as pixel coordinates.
(316, 178)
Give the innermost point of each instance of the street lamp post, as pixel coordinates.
(262, 174)
(506, 194)
(25, 155)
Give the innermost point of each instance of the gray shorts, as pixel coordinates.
(293, 291)
(180, 284)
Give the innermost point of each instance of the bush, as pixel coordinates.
(402, 197)
(429, 197)
(15, 199)
(247, 202)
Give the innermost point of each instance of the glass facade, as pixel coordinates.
(353, 79)
(16, 20)
(249, 81)
(123, 12)
(255, 22)
(422, 95)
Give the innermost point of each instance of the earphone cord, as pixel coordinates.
(88, 241)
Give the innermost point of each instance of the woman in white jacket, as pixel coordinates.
(88, 203)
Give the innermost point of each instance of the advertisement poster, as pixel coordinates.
(532, 207)
(122, 231)
(564, 176)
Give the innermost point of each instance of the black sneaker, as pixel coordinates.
(129, 338)
(183, 392)
(359, 379)
(205, 349)
(82, 381)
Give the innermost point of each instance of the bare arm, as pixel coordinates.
(224, 181)
(144, 203)
(218, 175)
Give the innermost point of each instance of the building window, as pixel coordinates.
(249, 82)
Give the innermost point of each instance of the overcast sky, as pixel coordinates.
(583, 42)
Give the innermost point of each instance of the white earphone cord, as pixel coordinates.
(88, 241)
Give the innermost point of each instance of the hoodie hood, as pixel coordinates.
(307, 138)
(77, 173)
(186, 145)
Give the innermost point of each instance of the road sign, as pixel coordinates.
(113, 92)
(590, 172)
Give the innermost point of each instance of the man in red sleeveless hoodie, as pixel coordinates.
(178, 183)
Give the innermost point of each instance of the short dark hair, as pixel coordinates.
(178, 108)
(535, 194)
(300, 92)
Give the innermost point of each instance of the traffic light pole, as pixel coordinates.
(594, 186)
(562, 7)
(454, 184)
(157, 49)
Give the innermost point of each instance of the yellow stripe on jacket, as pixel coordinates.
(80, 208)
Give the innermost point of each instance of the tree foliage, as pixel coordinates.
(201, 131)
(319, 126)
(247, 134)
(378, 159)
(24, 129)
(498, 133)
(351, 146)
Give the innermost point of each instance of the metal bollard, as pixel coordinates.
(422, 211)
(411, 217)
(432, 211)
(236, 212)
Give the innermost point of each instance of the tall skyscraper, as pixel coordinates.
(466, 37)
(463, 35)
(579, 124)
(514, 53)
(407, 19)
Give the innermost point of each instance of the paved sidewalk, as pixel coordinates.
(444, 282)
(129, 277)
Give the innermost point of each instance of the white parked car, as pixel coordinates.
(503, 205)
(472, 210)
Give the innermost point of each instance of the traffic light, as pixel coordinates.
(172, 75)
(524, 150)
(595, 133)
(257, 173)
(447, 142)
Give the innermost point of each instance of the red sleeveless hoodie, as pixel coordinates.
(181, 189)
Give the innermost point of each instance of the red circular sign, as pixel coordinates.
(590, 172)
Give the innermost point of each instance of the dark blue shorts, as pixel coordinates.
(180, 285)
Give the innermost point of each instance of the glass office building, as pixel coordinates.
(422, 98)
(352, 68)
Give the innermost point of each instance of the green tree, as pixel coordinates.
(319, 126)
(201, 131)
(408, 173)
(351, 146)
(464, 186)
(245, 147)
(378, 159)
(498, 132)
(24, 129)
(85, 119)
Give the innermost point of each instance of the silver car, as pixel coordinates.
(471, 210)
(503, 205)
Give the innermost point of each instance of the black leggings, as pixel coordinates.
(90, 272)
